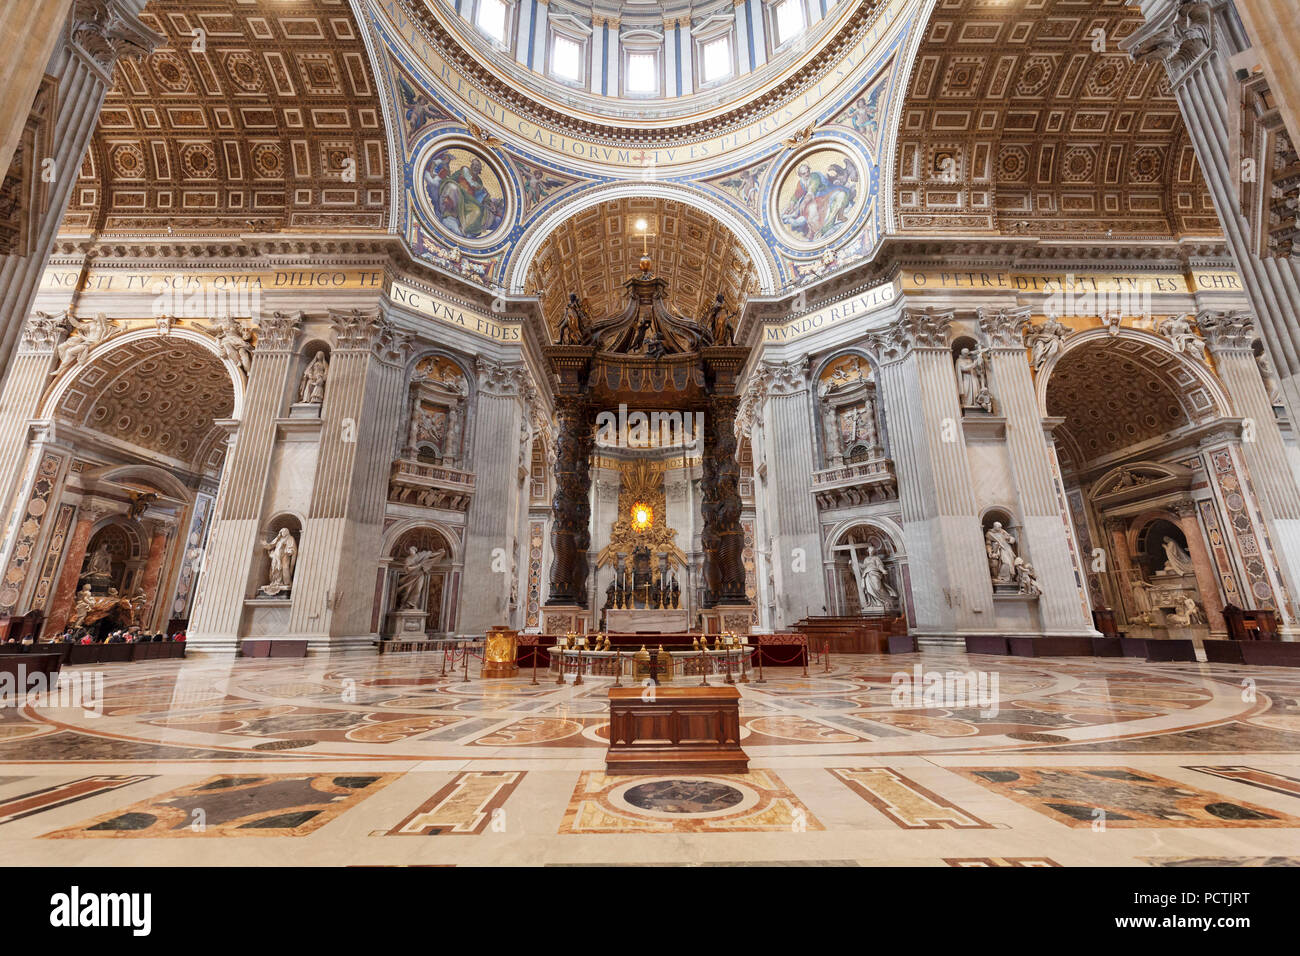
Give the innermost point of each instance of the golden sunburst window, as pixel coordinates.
(643, 516)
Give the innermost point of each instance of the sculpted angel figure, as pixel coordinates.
(76, 349)
(234, 340)
(1178, 330)
(1045, 341)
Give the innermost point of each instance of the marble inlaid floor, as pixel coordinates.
(1074, 762)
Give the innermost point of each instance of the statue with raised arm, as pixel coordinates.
(413, 577)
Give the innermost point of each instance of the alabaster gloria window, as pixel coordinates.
(716, 59)
(788, 20)
(491, 18)
(566, 58)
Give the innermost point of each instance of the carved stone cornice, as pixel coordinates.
(501, 379)
(105, 32)
(278, 331)
(42, 332)
(1227, 331)
(1178, 38)
(1004, 328)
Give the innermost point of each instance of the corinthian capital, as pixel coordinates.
(1226, 331)
(1004, 328)
(105, 31)
(784, 378)
(497, 378)
(278, 330)
(369, 330)
(1177, 37)
(42, 331)
(916, 329)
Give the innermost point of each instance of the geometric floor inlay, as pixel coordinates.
(1264, 779)
(464, 806)
(228, 805)
(906, 802)
(684, 803)
(1121, 797)
(38, 801)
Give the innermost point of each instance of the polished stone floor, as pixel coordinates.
(1020, 762)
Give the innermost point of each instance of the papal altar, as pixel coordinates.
(637, 620)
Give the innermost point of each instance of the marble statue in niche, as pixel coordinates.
(873, 580)
(76, 349)
(1001, 547)
(99, 567)
(311, 390)
(1177, 561)
(282, 550)
(413, 577)
(973, 379)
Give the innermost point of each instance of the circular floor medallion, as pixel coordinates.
(683, 796)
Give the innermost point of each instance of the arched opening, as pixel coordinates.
(134, 506)
(592, 253)
(866, 577)
(420, 584)
(1139, 481)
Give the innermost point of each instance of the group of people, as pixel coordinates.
(131, 635)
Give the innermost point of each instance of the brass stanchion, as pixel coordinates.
(559, 665)
(726, 653)
(758, 654)
(828, 655)
(465, 679)
(744, 676)
(536, 647)
(704, 668)
(578, 676)
(444, 661)
(618, 667)
(804, 655)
